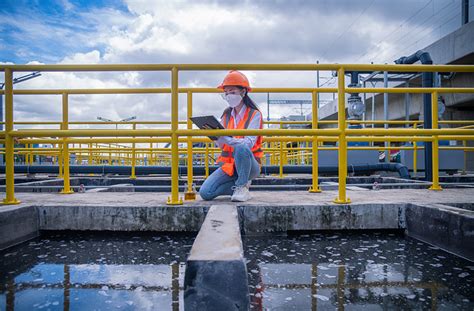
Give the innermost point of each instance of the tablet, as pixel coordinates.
(207, 121)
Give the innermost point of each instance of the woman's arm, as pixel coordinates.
(248, 140)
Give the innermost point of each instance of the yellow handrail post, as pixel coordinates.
(134, 156)
(150, 161)
(206, 161)
(27, 154)
(314, 148)
(110, 155)
(415, 147)
(89, 161)
(464, 170)
(434, 120)
(65, 157)
(342, 152)
(60, 161)
(9, 144)
(273, 156)
(174, 199)
(190, 195)
(281, 155)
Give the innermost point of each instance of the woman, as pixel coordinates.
(241, 156)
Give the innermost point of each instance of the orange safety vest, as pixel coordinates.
(227, 154)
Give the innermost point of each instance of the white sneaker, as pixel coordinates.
(241, 194)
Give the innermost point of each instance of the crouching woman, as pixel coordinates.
(241, 156)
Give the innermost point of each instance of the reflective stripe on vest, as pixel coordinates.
(231, 153)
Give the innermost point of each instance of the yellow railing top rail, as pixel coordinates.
(394, 122)
(254, 90)
(266, 67)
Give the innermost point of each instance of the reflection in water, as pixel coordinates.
(354, 271)
(95, 271)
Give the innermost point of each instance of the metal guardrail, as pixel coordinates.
(341, 134)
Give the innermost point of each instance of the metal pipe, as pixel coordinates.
(359, 169)
(465, 12)
(426, 82)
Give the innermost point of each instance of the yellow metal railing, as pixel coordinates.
(174, 134)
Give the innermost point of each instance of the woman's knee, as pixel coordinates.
(241, 149)
(205, 192)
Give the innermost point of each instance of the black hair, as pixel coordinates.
(250, 103)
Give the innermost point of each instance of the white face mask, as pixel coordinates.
(233, 99)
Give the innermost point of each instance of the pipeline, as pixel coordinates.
(360, 169)
(426, 81)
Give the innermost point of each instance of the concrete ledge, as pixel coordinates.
(115, 188)
(447, 227)
(121, 218)
(216, 273)
(257, 219)
(17, 224)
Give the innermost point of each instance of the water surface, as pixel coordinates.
(95, 271)
(355, 271)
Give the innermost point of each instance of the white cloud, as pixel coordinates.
(92, 57)
(207, 32)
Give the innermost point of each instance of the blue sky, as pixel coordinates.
(205, 31)
(48, 31)
(45, 30)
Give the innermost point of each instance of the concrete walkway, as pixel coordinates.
(274, 198)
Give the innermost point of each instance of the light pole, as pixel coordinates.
(16, 80)
(116, 122)
(116, 128)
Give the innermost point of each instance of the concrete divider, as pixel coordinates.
(216, 273)
(17, 224)
(276, 218)
(446, 227)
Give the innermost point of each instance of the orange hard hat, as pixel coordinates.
(235, 78)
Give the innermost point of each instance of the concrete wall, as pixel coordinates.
(258, 219)
(122, 218)
(18, 223)
(447, 227)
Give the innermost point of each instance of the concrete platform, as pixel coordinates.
(260, 198)
(270, 211)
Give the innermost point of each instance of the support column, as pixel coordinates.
(190, 195)
(174, 199)
(314, 148)
(435, 145)
(9, 144)
(342, 150)
(65, 156)
(134, 156)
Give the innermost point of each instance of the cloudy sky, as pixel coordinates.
(154, 31)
